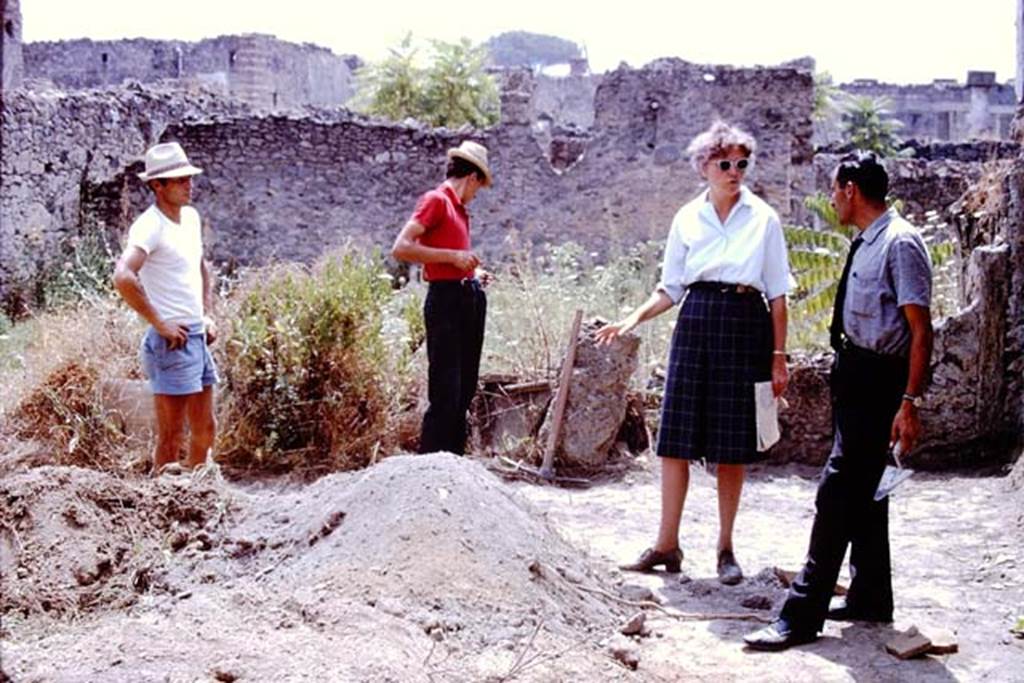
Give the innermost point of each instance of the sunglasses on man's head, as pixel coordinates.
(741, 164)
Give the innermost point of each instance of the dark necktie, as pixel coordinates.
(836, 328)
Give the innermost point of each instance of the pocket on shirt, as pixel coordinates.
(864, 299)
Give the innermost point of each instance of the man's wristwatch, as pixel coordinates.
(916, 401)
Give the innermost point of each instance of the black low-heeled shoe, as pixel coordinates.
(729, 572)
(651, 558)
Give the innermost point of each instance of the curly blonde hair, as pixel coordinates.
(715, 140)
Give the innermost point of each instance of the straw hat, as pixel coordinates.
(167, 160)
(476, 154)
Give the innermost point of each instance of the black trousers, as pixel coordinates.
(866, 392)
(454, 314)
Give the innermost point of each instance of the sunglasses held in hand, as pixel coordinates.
(725, 164)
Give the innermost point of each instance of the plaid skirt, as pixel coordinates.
(722, 344)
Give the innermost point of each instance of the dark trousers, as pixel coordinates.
(454, 314)
(866, 392)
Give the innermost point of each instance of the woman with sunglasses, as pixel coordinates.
(725, 259)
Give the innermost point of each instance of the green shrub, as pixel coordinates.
(305, 367)
(84, 272)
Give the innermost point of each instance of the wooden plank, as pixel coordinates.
(527, 387)
(787, 577)
(547, 469)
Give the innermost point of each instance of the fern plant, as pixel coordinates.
(817, 257)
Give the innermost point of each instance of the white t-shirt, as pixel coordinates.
(171, 274)
(749, 248)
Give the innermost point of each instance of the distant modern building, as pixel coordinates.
(944, 109)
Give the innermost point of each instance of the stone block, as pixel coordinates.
(597, 397)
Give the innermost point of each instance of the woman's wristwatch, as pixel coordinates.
(916, 401)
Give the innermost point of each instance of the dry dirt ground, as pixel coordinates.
(430, 568)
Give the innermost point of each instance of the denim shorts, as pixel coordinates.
(185, 370)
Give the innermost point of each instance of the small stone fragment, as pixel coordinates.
(635, 625)
(944, 641)
(908, 644)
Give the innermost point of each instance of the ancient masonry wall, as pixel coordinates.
(292, 187)
(259, 69)
(12, 65)
(57, 147)
(289, 187)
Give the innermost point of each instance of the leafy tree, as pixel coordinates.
(535, 50)
(391, 88)
(867, 124)
(825, 94)
(449, 88)
(456, 87)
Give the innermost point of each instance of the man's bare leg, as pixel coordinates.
(675, 480)
(170, 426)
(203, 426)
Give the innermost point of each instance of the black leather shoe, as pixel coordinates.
(651, 558)
(778, 636)
(839, 610)
(729, 572)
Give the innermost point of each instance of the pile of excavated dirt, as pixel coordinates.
(419, 568)
(75, 540)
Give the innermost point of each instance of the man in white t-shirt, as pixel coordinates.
(163, 276)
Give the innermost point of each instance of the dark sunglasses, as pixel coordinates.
(725, 164)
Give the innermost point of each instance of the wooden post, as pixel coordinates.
(547, 469)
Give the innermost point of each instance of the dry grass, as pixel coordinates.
(51, 376)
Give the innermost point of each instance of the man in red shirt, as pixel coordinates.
(437, 235)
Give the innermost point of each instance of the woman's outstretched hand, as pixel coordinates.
(609, 332)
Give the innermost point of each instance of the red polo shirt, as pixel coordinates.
(444, 216)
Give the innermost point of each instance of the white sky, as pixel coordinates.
(900, 41)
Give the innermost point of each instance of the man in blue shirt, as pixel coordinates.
(882, 335)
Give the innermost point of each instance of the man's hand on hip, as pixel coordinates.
(176, 334)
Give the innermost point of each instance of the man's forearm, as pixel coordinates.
(131, 291)
(419, 253)
(920, 358)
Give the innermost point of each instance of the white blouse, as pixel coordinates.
(747, 249)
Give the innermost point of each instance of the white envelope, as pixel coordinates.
(767, 407)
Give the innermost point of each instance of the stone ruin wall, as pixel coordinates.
(12, 67)
(289, 186)
(56, 148)
(260, 69)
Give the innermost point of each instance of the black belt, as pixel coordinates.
(467, 282)
(724, 287)
(847, 347)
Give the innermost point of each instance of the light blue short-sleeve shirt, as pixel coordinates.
(891, 269)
